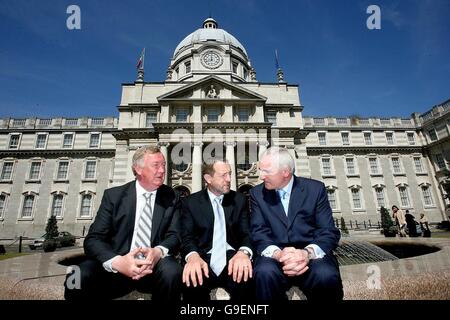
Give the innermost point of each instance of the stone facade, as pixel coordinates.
(210, 104)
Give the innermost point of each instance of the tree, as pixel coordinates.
(344, 229)
(386, 223)
(51, 230)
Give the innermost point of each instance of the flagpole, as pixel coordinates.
(143, 59)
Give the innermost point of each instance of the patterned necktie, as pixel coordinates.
(219, 246)
(143, 235)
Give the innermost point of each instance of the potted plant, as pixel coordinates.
(389, 229)
(51, 232)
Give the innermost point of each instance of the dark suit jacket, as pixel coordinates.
(197, 222)
(112, 231)
(309, 219)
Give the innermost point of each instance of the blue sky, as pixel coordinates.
(324, 46)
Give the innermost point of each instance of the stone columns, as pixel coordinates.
(262, 146)
(229, 155)
(197, 180)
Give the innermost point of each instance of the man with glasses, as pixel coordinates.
(293, 232)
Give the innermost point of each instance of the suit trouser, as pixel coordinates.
(96, 283)
(322, 281)
(243, 291)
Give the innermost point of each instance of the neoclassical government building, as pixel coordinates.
(212, 104)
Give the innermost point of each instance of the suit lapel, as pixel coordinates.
(275, 205)
(209, 211)
(296, 199)
(130, 198)
(227, 205)
(158, 211)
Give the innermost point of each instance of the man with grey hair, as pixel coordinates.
(132, 242)
(293, 231)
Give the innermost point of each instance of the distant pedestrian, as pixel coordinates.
(411, 224)
(400, 221)
(424, 226)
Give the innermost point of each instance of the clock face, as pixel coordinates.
(211, 59)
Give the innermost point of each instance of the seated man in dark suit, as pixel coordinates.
(215, 238)
(293, 233)
(130, 245)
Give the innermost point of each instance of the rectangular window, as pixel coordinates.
(390, 138)
(91, 166)
(356, 197)
(326, 166)
(368, 138)
(57, 205)
(418, 164)
(150, 119)
(2, 205)
(379, 192)
(35, 170)
(181, 115)
(350, 162)
(345, 138)
(94, 141)
(7, 171)
(432, 134)
(187, 67)
(404, 198)
(243, 115)
(68, 140)
(41, 140)
(428, 199)
(440, 161)
(396, 165)
(235, 67)
(373, 163)
(213, 114)
(14, 141)
(322, 138)
(63, 169)
(85, 208)
(245, 73)
(27, 210)
(332, 199)
(411, 138)
(272, 117)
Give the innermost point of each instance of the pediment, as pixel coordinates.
(212, 88)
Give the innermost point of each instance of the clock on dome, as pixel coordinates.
(211, 59)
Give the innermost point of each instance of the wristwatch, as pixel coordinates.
(311, 253)
(246, 252)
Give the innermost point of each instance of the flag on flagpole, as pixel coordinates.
(277, 65)
(140, 63)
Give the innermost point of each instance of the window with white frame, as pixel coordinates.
(94, 140)
(440, 161)
(271, 117)
(187, 66)
(2, 205)
(356, 198)
(27, 207)
(150, 119)
(57, 205)
(35, 170)
(418, 167)
(86, 205)
(373, 164)
(67, 140)
(90, 169)
(396, 167)
(14, 141)
(390, 138)
(350, 164)
(326, 166)
(181, 115)
(432, 134)
(332, 198)
(7, 170)
(379, 193)
(367, 138)
(243, 114)
(235, 67)
(427, 197)
(213, 114)
(345, 138)
(245, 75)
(63, 170)
(404, 197)
(411, 138)
(41, 141)
(322, 138)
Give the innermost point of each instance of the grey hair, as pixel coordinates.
(283, 158)
(138, 157)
